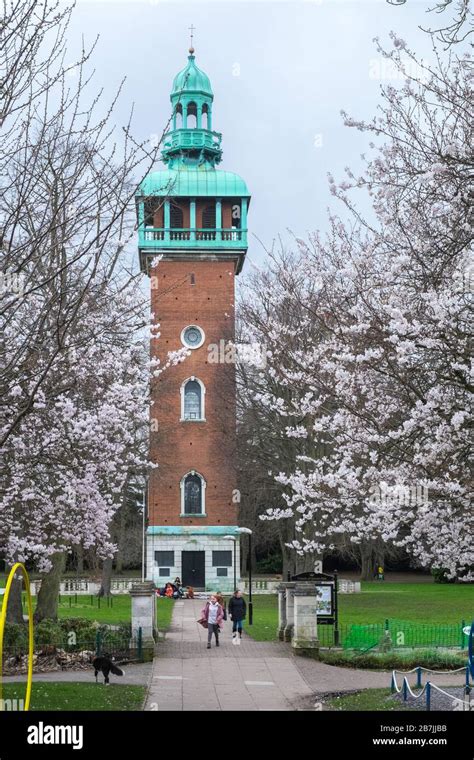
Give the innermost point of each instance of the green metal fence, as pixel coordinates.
(393, 634)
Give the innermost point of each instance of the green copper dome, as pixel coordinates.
(191, 79)
(194, 183)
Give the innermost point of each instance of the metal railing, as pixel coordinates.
(110, 643)
(196, 137)
(394, 634)
(199, 233)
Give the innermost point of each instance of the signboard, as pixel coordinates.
(325, 587)
(325, 602)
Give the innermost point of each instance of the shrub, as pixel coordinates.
(124, 630)
(84, 631)
(113, 637)
(440, 575)
(426, 658)
(15, 638)
(48, 633)
(271, 564)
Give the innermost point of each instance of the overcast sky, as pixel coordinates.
(281, 72)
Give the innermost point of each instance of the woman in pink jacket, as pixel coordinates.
(213, 614)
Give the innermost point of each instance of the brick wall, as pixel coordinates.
(208, 446)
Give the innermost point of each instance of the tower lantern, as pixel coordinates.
(193, 216)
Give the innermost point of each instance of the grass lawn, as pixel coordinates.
(120, 612)
(164, 611)
(78, 696)
(369, 699)
(416, 602)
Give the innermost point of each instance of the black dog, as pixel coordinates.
(105, 666)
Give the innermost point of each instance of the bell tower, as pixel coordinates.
(192, 241)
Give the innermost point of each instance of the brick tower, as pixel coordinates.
(194, 218)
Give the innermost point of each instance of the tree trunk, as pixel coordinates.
(121, 540)
(15, 607)
(366, 563)
(80, 560)
(106, 577)
(287, 559)
(379, 559)
(304, 563)
(47, 604)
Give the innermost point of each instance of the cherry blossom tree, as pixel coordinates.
(455, 24)
(376, 374)
(75, 368)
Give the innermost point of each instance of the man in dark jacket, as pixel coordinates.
(237, 610)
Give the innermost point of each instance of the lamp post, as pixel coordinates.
(249, 533)
(144, 507)
(233, 538)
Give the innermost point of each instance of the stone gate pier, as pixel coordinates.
(143, 619)
(297, 621)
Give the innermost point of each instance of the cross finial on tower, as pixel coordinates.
(191, 29)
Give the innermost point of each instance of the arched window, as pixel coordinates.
(192, 495)
(191, 122)
(209, 217)
(192, 400)
(193, 488)
(178, 117)
(205, 116)
(176, 216)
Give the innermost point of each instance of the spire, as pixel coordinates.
(191, 142)
(191, 46)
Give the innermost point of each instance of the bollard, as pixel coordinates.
(405, 689)
(428, 696)
(418, 676)
(392, 685)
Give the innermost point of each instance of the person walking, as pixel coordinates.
(213, 614)
(237, 610)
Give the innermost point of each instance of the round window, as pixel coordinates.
(192, 336)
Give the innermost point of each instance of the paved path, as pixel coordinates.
(253, 676)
